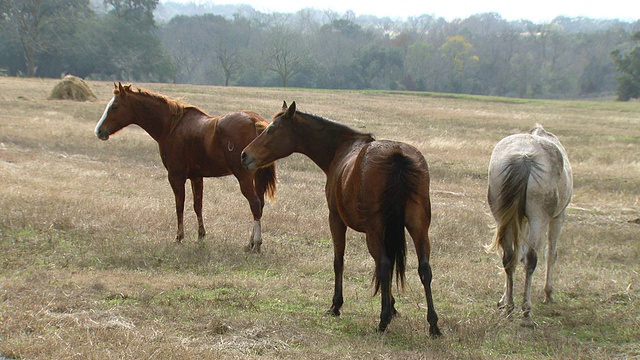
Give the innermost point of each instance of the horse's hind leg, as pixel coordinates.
(197, 189)
(536, 232)
(384, 272)
(508, 252)
(555, 226)
(338, 232)
(418, 228)
(424, 270)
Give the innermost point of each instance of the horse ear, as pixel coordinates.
(121, 89)
(291, 110)
(284, 106)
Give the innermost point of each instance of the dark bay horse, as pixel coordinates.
(374, 187)
(530, 187)
(194, 145)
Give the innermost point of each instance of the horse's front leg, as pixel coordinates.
(338, 235)
(177, 185)
(197, 187)
(249, 191)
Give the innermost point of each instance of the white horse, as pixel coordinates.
(530, 187)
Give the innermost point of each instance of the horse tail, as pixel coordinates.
(265, 180)
(403, 178)
(512, 201)
(265, 177)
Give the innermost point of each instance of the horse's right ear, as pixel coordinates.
(284, 106)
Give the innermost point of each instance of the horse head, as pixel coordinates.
(116, 115)
(274, 143)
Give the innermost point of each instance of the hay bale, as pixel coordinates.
(73, 88)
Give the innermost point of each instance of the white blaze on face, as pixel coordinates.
(104, 115)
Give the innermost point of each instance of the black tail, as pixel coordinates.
(402, 179)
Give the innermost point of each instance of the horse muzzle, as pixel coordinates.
(102, 135)
(248, 162)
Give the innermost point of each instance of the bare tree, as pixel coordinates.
(285, 52)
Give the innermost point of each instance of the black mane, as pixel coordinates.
(336, 127)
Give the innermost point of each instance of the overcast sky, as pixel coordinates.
(534, 10)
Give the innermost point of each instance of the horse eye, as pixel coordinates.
(114, 107)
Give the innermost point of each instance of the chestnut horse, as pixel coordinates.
(374, 187)
(194, 145)
(530, 187)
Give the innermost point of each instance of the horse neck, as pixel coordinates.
(326, 143)
(153, 116)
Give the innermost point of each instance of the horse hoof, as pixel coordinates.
(332, 312)
(506, 309)
(434, 332)
(254, 249)
(527, 322)
(381, 329)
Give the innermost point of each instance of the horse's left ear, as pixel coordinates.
(291, 110)
(121, 89)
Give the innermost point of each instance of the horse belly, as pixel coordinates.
(211, 168)
(343, 198)
(203, 162)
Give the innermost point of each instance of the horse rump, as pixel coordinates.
(402, 180)
(508, 206)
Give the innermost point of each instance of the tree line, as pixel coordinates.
(483, 54)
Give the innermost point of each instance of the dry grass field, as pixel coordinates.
(89, 269)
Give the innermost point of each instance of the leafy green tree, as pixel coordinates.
(459, 55)
(419, 63)
(379, 67)
(135, 11)
(334, 48)
(40, 26)
(629, 66)
(131, 45)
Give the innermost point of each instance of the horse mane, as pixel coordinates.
(335, 127)
(177, 108)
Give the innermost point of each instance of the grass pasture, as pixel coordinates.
(89, 269)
